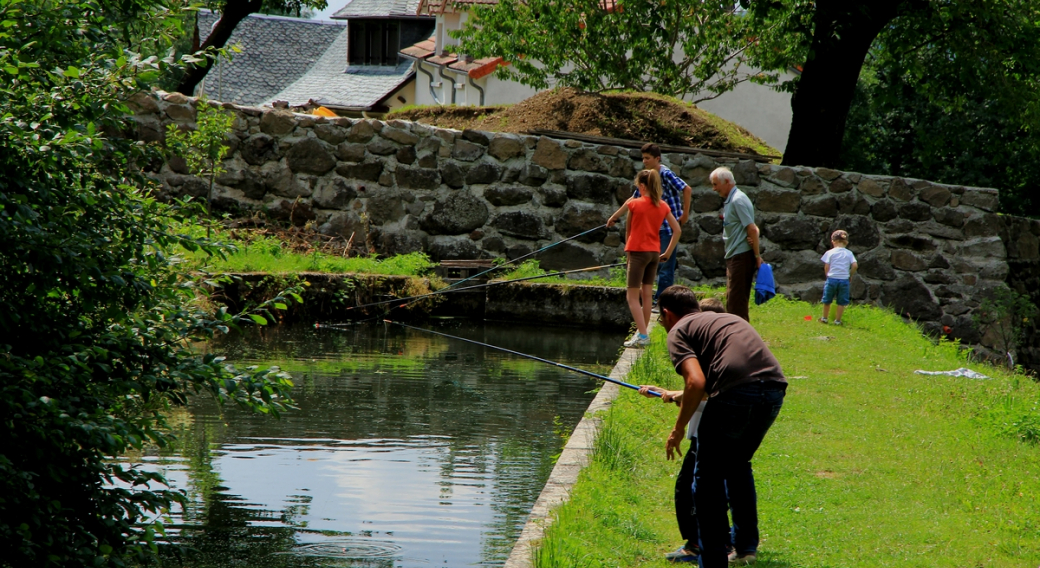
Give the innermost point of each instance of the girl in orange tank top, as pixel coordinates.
(642, 247)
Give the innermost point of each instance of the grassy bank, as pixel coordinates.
(868, 464)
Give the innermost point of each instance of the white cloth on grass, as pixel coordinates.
(962, 372)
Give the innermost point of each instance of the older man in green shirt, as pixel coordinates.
(740, 235)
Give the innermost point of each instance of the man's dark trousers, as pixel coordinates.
(740, 273)
(666, 269)
(732, 428)
(685, 512)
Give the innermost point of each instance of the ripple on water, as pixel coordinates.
(346, 548)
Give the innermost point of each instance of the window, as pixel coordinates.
(373, 42)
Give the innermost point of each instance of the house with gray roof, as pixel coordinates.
(351, 67)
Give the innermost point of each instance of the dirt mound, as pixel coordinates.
(634, 116)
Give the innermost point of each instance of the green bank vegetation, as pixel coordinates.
(868, 464)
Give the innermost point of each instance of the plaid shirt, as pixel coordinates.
(671, 192)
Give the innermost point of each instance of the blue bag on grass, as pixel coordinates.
(765, 287)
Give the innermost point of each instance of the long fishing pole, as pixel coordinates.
(449, 289)
(519, 258)
(554, 363)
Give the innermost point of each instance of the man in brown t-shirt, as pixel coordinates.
(722, 356)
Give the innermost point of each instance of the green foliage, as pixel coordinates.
(204, 148)
(530, 269)
(595, 46)
(1005, 314)
(950, 94)
(96, 331)
(898, 469)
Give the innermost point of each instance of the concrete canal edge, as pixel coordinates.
(576, 455)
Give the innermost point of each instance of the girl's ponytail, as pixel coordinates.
(652, 181)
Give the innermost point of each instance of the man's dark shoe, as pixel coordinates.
(682, 555)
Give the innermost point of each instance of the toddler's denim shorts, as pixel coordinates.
(836, 287)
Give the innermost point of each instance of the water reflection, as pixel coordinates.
(409, 449)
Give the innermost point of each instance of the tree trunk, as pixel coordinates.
(234, 12)
(843, 31)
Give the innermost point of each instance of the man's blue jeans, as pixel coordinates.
(732, 428)
(666, 269)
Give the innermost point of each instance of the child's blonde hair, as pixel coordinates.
(652, 181)
(840, 236)
(712, 305)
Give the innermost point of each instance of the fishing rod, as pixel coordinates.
(449, 289)
(554, 363)
(530, 254)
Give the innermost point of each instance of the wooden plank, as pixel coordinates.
(638, 144)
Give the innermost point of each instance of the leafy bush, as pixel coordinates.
(95, 334)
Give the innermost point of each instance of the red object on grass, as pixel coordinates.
(808, 318)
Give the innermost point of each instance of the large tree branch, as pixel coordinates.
(234, 12)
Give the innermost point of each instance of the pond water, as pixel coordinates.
(409, 449)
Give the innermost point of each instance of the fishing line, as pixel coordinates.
(449, 289)
(519, 258)
(554, 363)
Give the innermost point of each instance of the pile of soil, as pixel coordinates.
(633, 116)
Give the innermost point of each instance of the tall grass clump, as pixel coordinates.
(868, 464)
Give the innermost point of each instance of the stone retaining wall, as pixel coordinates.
(928, 250)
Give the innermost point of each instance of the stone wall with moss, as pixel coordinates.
(929, 251)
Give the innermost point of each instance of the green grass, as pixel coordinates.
(270, 255)
(531, 268)
(868, 464)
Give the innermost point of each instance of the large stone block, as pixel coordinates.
(467, 151)
(361, 132)
(986, 225)
(331, 133)
(950, 217)
(344, 224)
(453, 175)
(863, 233)
(400, 136)
(799, 267)
(453, 248)
(591, 187)
(295, 211)
(709, 253)
(712, 224)
(507, 195)
(258, 149)
(778, 200)
(310, 156)
(934, 195)
(382, 147)
(277, 123)
(483, 173)
(705, 200)
(871, 187)
(899, 189)
(506, 146)
(588, 160)
(521, 224)
(985, 199)
(824, 206)
(553, 195)
(549, 154)
(402, 242)
(782, 176)
(906, 260)
(578, 217)
(334, 193)
(877, 264)
(745, 172)
(366, 172)
(476, 136)
(350, 152)
(984, 247)
(417, 178)
(533, 175)
(840, 185)
(622, 167)
(915, 211)
(812, 185)
(458, 213)
(567, 256)
(386, 206)
(794, 233)
(910, 297)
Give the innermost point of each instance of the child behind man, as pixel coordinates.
(685, 512)
(839, 264)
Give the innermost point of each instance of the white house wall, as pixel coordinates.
(758, 108)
